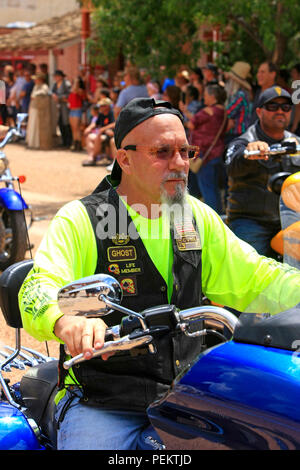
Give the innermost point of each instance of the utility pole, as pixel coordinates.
(86, 8)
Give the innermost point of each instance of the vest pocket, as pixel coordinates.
(123, 392)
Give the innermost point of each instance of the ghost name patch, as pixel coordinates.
(127, 253)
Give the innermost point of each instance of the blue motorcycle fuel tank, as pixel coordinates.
(12, 200)
(15, 432)
(235, 396)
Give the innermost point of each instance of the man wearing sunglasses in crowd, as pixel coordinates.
(252, 210)
(142, 227)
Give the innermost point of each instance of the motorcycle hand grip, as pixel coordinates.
(250, 153)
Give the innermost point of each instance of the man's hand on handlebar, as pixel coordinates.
(260, 146)
(81, 334)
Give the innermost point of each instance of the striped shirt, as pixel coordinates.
(239, 110)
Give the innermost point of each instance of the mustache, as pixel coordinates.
(175, 175)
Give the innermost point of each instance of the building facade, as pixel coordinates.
(54, 38)
(33, 11)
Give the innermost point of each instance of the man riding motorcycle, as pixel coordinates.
(252, 210)
(176, 250)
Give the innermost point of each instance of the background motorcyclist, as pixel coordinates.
(102, 403)
(252, 210)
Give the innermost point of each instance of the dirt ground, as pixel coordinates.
(53, 178)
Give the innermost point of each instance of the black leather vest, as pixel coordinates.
(133, 380)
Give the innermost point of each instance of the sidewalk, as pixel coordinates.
(53, 178)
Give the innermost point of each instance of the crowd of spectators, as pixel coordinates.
(79, 113)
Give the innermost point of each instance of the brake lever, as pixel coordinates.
(124, 343)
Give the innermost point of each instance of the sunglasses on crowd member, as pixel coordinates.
(285, 107)
(165, 152)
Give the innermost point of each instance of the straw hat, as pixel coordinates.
(104, 102)
(185, 74)
(239, 72)
(39, 76)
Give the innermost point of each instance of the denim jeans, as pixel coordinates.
(287, 215)
(257, 235)
(83, 427)
(208, 178)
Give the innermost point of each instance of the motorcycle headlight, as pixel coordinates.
(3, 165)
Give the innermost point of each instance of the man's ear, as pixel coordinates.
(258, 112)
(124, 160)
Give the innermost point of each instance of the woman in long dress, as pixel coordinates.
(39, 127)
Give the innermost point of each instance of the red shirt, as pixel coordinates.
(75, 100)
(206, 128)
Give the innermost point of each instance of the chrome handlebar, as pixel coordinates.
(17, 131)
(185, 320)
(287, 148)
(9, 135)
(216, 314)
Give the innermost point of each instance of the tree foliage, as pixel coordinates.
(150, 33)
(166, 32)
(264, 27)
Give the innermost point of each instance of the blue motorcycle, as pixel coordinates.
(13, 225)
(241, 392)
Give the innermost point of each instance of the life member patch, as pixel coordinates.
(119, 253)
(131, 267)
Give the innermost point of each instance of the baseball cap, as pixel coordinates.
(59, 73)
(198, 71)
(271, 93)
(134, 113)
(211, 67)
